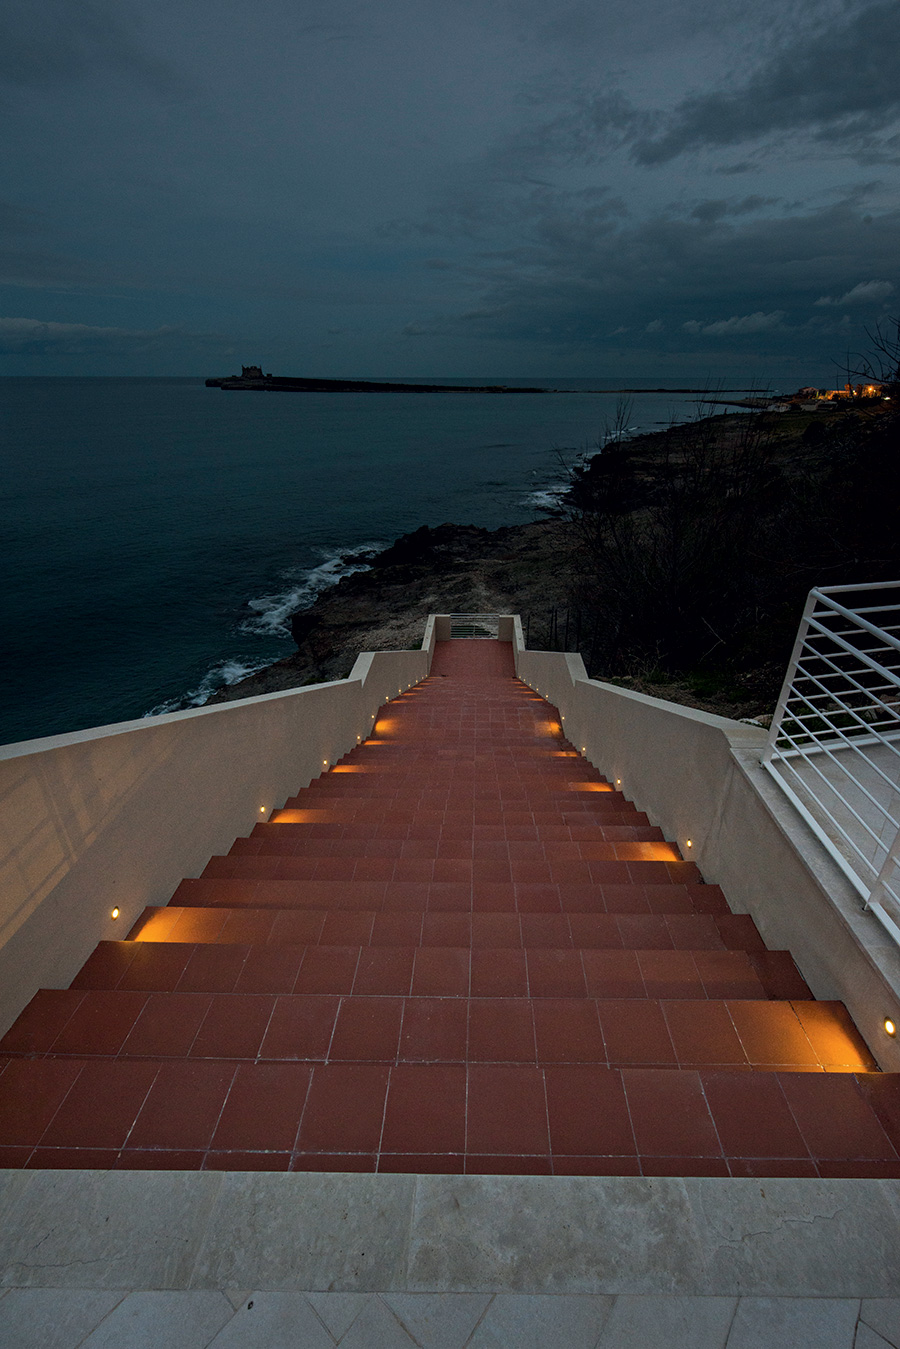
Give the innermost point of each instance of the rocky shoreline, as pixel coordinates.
(821, 503)
(523, 569)
(448, 569)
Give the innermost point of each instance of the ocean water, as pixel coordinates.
(157, 534)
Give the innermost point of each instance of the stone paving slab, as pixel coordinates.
(74, 1318)
(404, 1234)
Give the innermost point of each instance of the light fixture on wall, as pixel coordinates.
(890, 1027)
(689, 843)
(115, 912)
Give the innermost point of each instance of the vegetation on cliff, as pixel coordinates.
(678, 562)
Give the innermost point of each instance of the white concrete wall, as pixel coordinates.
(115, 816)
(699, 778)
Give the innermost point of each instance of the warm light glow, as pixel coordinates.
(618, 782)
(262, 810)
(689, 843)
(114, 914)
(889, 1026)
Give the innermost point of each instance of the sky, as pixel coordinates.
(671, 189)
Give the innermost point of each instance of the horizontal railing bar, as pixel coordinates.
(838, 708)
(842, 740)
(866, 585)
(863, 623)
(867, 660)
(858, 884)
(870, 867)
(843, 767)
(846, 706)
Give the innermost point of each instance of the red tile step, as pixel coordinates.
(369, 1015)
(458, 950)
(507, 970)
(448, 927)
(562, 1120)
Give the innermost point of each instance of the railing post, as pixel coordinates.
(886, 889)
(809, 608)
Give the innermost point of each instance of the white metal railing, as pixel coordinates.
(834, 745)
(475, 625)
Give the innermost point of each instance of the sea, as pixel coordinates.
(157, 534)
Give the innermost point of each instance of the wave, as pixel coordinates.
(218, 676)
(548, 498)
(271, 613)
(270, 617)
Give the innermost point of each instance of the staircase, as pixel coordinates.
(458, 950)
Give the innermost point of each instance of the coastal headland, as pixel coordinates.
(252, 380)
(533, 569)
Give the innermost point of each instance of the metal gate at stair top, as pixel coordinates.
(834, 744)
(475, 625)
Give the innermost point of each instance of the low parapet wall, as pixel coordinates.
(115, 816)
(699, 778)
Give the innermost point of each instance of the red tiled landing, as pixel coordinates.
(458, 950)
(563, 1120)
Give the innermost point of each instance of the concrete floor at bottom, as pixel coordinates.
(134, 1260)
(73, 1318)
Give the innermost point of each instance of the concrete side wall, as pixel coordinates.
(699, 778)
(115, 816)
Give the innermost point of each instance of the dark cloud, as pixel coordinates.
(17, 220)
(34, 337)
(739, 325)
(841, 81)
(49, 42)
(681, 281)
(716, 210)
(865, 292)
(536, 202)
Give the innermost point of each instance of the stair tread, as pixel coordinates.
(578, 1119)
(460, 949)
